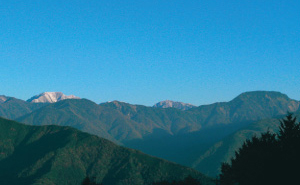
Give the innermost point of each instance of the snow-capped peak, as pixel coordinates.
(3, 98)
(177, 105)
(50, 97)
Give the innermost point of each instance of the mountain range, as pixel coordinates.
(125, 122)
(191, 137)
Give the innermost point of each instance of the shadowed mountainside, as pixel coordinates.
(63, 155)
(222, 151)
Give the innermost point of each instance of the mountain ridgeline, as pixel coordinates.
(249, 106)
(13, 108)
(174, 104)
(192, 137)
(116, 121)
(124, 122)
(44, 155)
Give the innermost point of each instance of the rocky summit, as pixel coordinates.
(174, 104)
(50, 97)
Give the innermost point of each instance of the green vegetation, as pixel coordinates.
(189, 180)
(45, 155)
(209, 162)
(246, 108)
(201, 137)
(122, 122)
(90, 181)
(268, 159)
(13, 108)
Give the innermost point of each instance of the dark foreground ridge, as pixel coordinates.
(63, 155)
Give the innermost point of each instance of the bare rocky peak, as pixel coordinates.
(3, 98)
(173, 104)
(50, 97)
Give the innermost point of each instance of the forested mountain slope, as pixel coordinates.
(13, 108)
(209, 162)
(63, 155)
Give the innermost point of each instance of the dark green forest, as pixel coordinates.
(271, 158)
(40, 155)
(189, 180)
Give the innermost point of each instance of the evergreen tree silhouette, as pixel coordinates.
(88, 181)
(268, 159)
(189, 180)
(289, 131)
(289, 145)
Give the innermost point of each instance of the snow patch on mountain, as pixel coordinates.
(50, 97)
(174, 104)
(3, 98)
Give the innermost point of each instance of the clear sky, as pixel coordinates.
(145, 51)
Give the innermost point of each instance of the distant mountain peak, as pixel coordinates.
(50, 97)
(262, 95)
(174, 104)
(3, 98)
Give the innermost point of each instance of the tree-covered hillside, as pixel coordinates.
(209, 162)
(13, 108)
(57, 155)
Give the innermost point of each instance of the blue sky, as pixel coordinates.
(145, 51)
